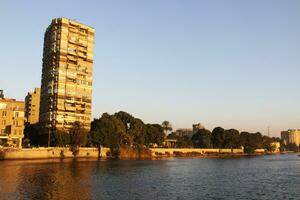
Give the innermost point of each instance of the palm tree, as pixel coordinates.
(167, 126)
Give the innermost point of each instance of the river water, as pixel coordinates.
(261, 177)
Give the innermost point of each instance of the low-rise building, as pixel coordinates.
(291, 136)
(170, 143)
(11, 122)
(32, 106)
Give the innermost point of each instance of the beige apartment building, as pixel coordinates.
(66, 88)
(32, 106)
(291, 136)
(11, 122)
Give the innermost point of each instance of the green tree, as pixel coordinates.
(244, 138)
(256, 140)
(108, 131)
(32, 133)
(122, 129)
(202, 139)
(184, 142)
(158, 134)
(251, 141)
(268, 143)
(173, 136)
(60, 138)
(231, 139)
(78, 135)
(134, 129)
(153, 134)
(218, 137)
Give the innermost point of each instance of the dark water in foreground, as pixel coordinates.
(263, 177)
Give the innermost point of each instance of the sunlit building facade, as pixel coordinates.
(291, 136)
(66, 88)
(32, 106)
(11, 122)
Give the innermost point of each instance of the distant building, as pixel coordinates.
(66, 88)
(291, 136)
(32, 106)
(170, 143)
(11, 122)
(184, 132)
(197, 127)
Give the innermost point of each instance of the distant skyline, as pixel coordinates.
(234, 64)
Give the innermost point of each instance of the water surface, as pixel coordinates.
(262, 177)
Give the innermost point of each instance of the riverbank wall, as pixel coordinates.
(185, 152)
(125, 153)
(49, 153)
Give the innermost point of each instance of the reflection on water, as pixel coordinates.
(265, 177)
(44, 180)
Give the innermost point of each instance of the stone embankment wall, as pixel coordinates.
(44, 153)
(135, 153)
(158, 152)
(125, 153)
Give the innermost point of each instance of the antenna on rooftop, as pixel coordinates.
(268, 131)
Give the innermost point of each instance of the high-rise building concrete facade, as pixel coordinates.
(11, 122)
(291, 137)
(32, 106)
(66, 88)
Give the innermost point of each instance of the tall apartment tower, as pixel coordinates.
(66, 88)
(32, 106)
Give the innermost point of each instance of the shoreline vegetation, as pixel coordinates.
(121, 136)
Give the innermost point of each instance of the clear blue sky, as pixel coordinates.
(230, 63)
